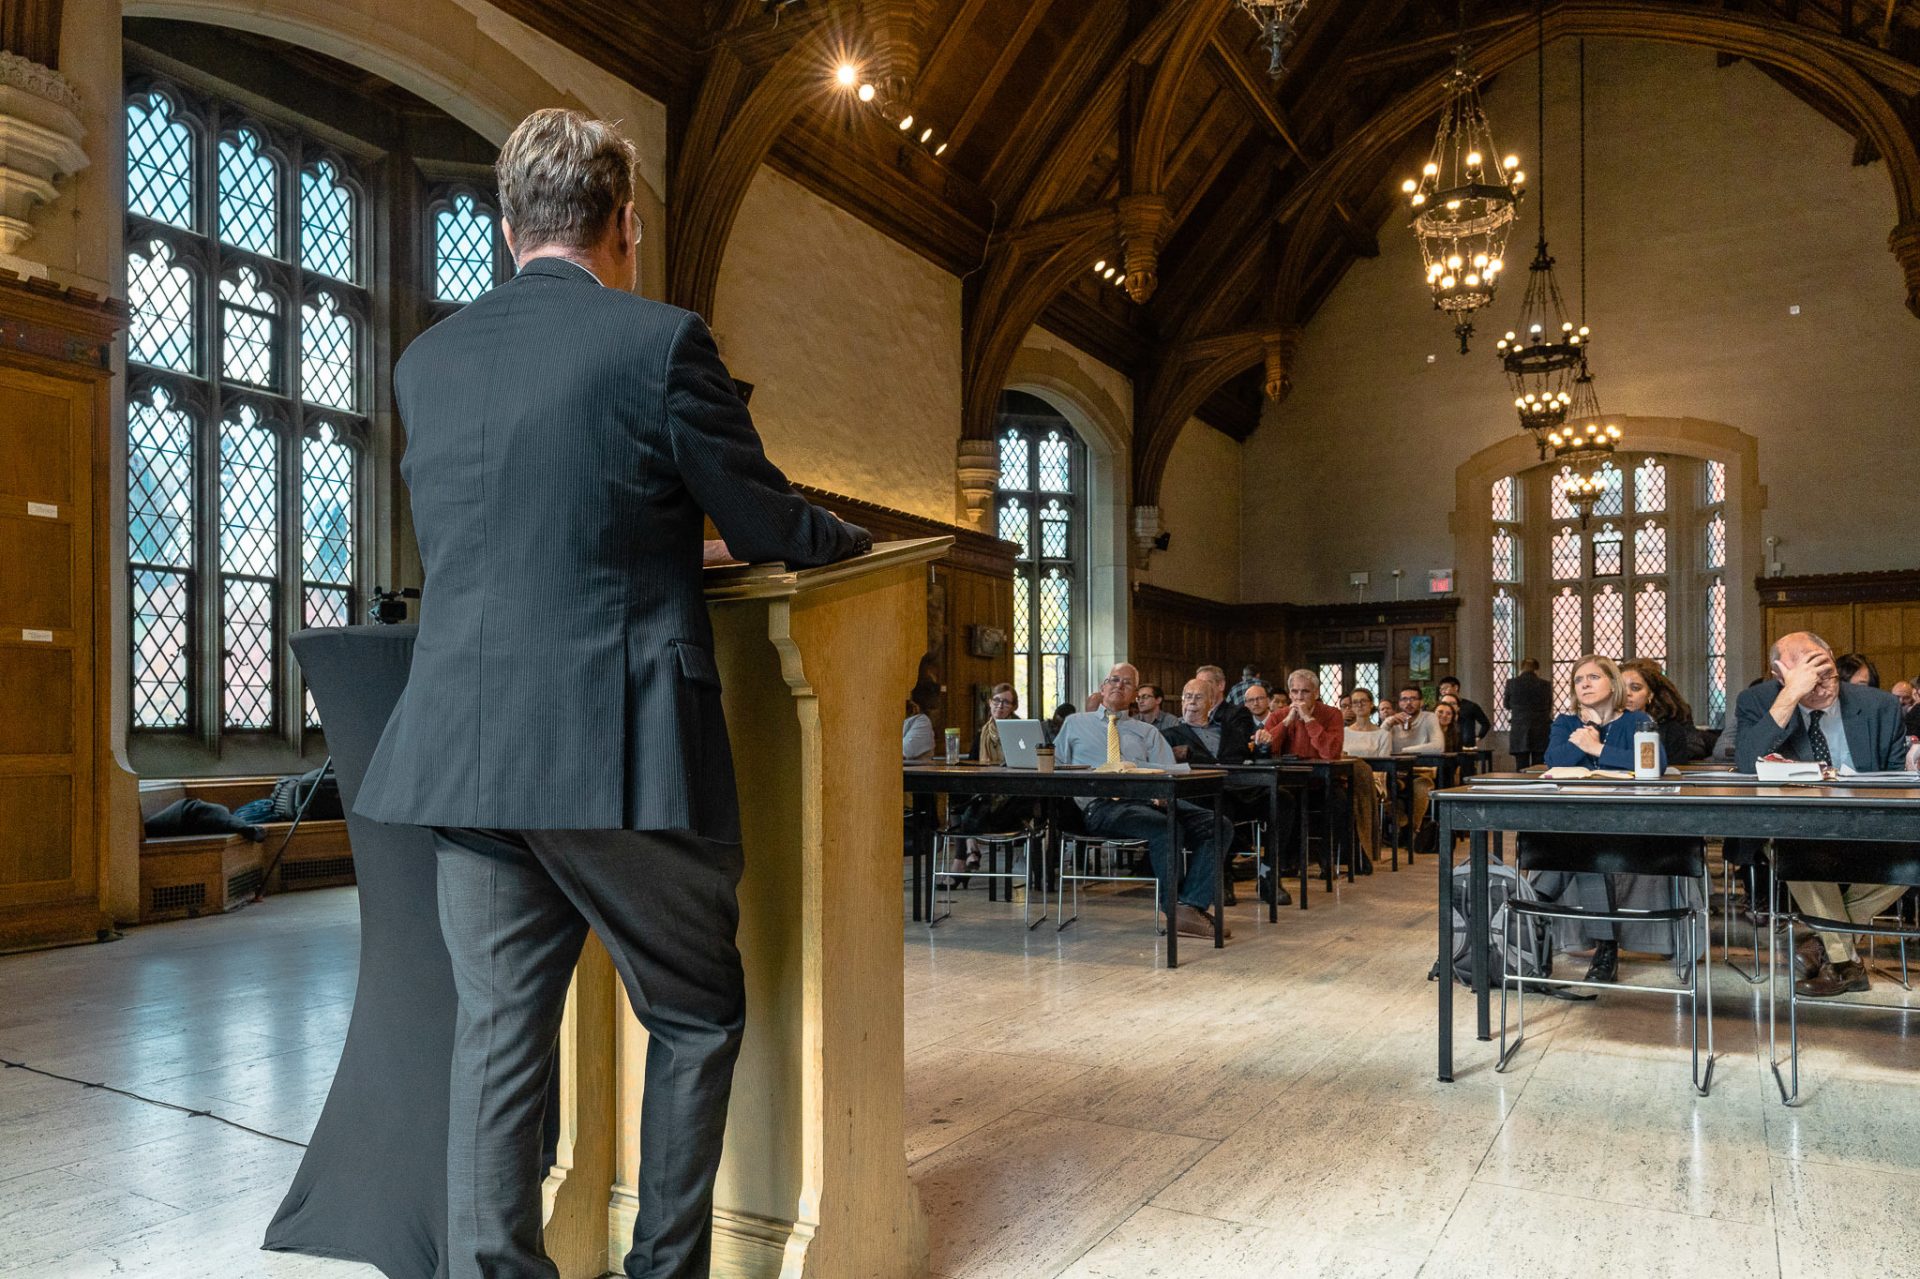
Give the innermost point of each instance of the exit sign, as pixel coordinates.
(1440, 581)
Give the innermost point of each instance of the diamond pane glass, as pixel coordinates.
(1053, 681)
(1015, 526)
(1022, 668)
(1717, 650)
(1367, 675)
(159, 483)
(159, 162)
(1013, 462)
(1504, 628)
(1330, 690)
(326, 354)
(1650, 549)
(1503, 498)
(1566, 554)
(1022, 617)
(247, 611)
(1650, 622)
(1609, 623)
(326, 223)
(462, 251)
(1613, 498)
(1650, 487)
(1567, 643)
(249, 194)
(249, 469)
(1716, 481)
(1502, 556)
(326, 511)
(1053, 531)
(160, 610)
(323, 606)
(1609, 556)
(1056, 613)
(249, 327)
(1561, 508)
(160, 302)
(1056, 463)
(1717, 541)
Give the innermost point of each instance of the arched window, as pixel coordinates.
(1039, 508)
(1618, 585)
(248, 356)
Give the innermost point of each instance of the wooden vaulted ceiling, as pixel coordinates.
(1147, 133)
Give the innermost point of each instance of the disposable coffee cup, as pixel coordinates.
(1043, 758)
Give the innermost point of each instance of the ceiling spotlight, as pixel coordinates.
(926, 134)
(846, 75)
(866, 93)
(1101, 265)
(906, 122)
(941, 149)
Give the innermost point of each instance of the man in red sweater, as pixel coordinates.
(1306, 727)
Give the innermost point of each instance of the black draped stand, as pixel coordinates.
(373, 1184)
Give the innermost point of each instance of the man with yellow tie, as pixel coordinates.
(1109, 739)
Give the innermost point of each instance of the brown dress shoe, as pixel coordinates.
(1191, 921)
(1835, 979)
(1809, 957)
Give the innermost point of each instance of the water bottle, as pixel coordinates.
(1646, 753)
(953, 746)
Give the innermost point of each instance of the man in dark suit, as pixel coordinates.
(1474, 723)
(1529, 701)
(1807, 712)
(561, 730)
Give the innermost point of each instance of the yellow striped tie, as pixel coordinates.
(1113, 741)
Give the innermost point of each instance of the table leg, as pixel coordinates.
(1301, 822)
(1336, 829)
(1173, 866)
(923, 821)
(1478, 930)
(1273, 851)
(1393, 840)
(1221, 851)
(1445, 1024)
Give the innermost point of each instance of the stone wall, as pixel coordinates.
(1200, 507)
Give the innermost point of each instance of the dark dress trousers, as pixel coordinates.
(1529, 717)
(561, 728)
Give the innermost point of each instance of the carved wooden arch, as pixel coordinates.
(1189, 375)
(1199, 20)
(1786, 46)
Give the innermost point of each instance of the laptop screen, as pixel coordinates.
(1018, 738)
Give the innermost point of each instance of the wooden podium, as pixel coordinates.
(813, 1185)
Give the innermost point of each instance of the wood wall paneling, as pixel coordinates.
(1876, 614)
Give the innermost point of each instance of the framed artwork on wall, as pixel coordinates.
(1420, 659)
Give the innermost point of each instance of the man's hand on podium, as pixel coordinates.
(715, 552)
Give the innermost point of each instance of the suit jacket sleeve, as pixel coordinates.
(1182, 734)
(724, 466)
(1236, 737)
(1476, 722)
(1755, 732)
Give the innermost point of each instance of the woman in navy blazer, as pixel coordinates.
(1597, 734)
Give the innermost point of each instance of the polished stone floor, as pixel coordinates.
(1074, 1110)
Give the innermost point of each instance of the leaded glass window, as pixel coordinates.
(1650, 486)
(1608, 561)
(1612, 499)
(1505, 646)
(1367, 675)
(1568, 645)
(1609, 625)
(1566, 554)
(1717, 540)
(1331, 673)
(1503, 499)
(463, 250)
(1038, 507)
(1502, 556)
(1717, 650)
(1713, 540)
(245, 391)
(1650, 550)
(1716, 481)
(1650, 622)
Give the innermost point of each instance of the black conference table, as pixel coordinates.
(925, 781)
(1704, 807)
(1303, 775)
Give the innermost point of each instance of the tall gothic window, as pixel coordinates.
(469, 251)
(1039, 509)
(1626, 584)
(247, 405)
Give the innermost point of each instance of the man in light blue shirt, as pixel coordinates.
(1083, 741)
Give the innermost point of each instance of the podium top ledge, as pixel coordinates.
(732, 582)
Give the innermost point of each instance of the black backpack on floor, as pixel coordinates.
(1532, 953)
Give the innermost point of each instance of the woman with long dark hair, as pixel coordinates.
(1649, 690)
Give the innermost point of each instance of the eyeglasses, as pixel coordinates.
(1003, 701)
(1112, 682)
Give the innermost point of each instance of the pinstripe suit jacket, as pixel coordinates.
(563, 440)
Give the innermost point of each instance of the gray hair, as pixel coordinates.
(1312, 678)
(563, 177)
(1773, 653)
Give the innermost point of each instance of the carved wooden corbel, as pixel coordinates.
(1143, 222)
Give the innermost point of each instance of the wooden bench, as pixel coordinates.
(183, 876)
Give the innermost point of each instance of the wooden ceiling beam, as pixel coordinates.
(1003, 62)
(1409, 53)
(951, 39)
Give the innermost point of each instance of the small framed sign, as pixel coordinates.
(1439, 581)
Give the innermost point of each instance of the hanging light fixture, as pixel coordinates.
(1276, 19)
(1542, 353)
(1463, 201)
(1582, 493)
(1586, 435)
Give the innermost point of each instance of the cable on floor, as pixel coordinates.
(151, 1101)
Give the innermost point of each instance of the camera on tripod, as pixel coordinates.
(389, 608)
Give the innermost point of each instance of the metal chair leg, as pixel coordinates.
(1509, 942)
(1789, 1096)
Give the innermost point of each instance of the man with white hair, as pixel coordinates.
(1807, 712)
(1307, 727)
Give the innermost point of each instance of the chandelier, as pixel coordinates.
(1276, 19)
(1463, 203)
(1582, 493)
(1587, 436)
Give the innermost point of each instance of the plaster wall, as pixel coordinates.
(852, 343)
(1716, 201)
(1200, 506)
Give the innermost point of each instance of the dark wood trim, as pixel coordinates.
(1839, 588)
(972, 550)
(68, 326)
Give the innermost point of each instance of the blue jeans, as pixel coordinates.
(1132, 819)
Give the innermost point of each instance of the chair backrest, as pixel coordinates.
(1614, 854)
(1854, 861)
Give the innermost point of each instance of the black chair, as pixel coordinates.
(1678, 859)
(1850, 862)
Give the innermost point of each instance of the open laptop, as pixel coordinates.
(1018, 739)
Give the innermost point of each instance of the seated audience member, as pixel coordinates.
(1249, 676)
(986, 813)
(1346, 708)
(1597, 733)
(1412, 729)
(1447, 713)
(1259, 703)
(1648, 689)
(1149, 708)
(1093, 701)
(1094, 738)
(1205, 736)
(1474, 723)
(1252, 801)
(1857, 668)
(1306, 728)
(1529, 703)
(1910, 704)
(1808, 712)
(916, 734)
(1364, 738)
(1052, 727)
